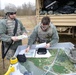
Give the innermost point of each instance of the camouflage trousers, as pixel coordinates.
(10, 53)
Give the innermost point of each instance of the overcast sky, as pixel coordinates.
(16, 2)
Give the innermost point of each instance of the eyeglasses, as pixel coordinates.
(11, 13)
(44, 26)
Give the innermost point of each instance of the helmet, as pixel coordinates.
(10, 8)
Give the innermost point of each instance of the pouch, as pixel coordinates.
(21, 58)
(41, 51)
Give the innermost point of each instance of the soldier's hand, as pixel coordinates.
(14, 38)
(27, 49)
(47, 45)
(24, 34)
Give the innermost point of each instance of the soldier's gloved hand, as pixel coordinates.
(14, 38)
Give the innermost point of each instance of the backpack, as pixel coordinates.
(67, 9)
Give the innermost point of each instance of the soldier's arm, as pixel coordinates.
(3, 36)
(32, 38)
(55, 38)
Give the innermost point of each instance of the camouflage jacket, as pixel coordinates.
(6, 31)
(54, 38)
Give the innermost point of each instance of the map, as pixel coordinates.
(57, 64)
(22, 37)
(33, 54)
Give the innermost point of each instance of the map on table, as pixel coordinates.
(57, 64)
(33, 54)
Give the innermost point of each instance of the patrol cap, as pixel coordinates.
(10, 8)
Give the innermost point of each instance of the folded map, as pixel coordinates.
(22, 37)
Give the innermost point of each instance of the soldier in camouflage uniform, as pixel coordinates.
(44, 32)
(6, 29)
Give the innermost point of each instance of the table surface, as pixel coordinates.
(57, 64)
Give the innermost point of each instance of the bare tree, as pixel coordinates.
(19, 11)
(28, 9)
(25, 9)
(1, 13)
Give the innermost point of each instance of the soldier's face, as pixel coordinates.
(44, 27)
(12, 15)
